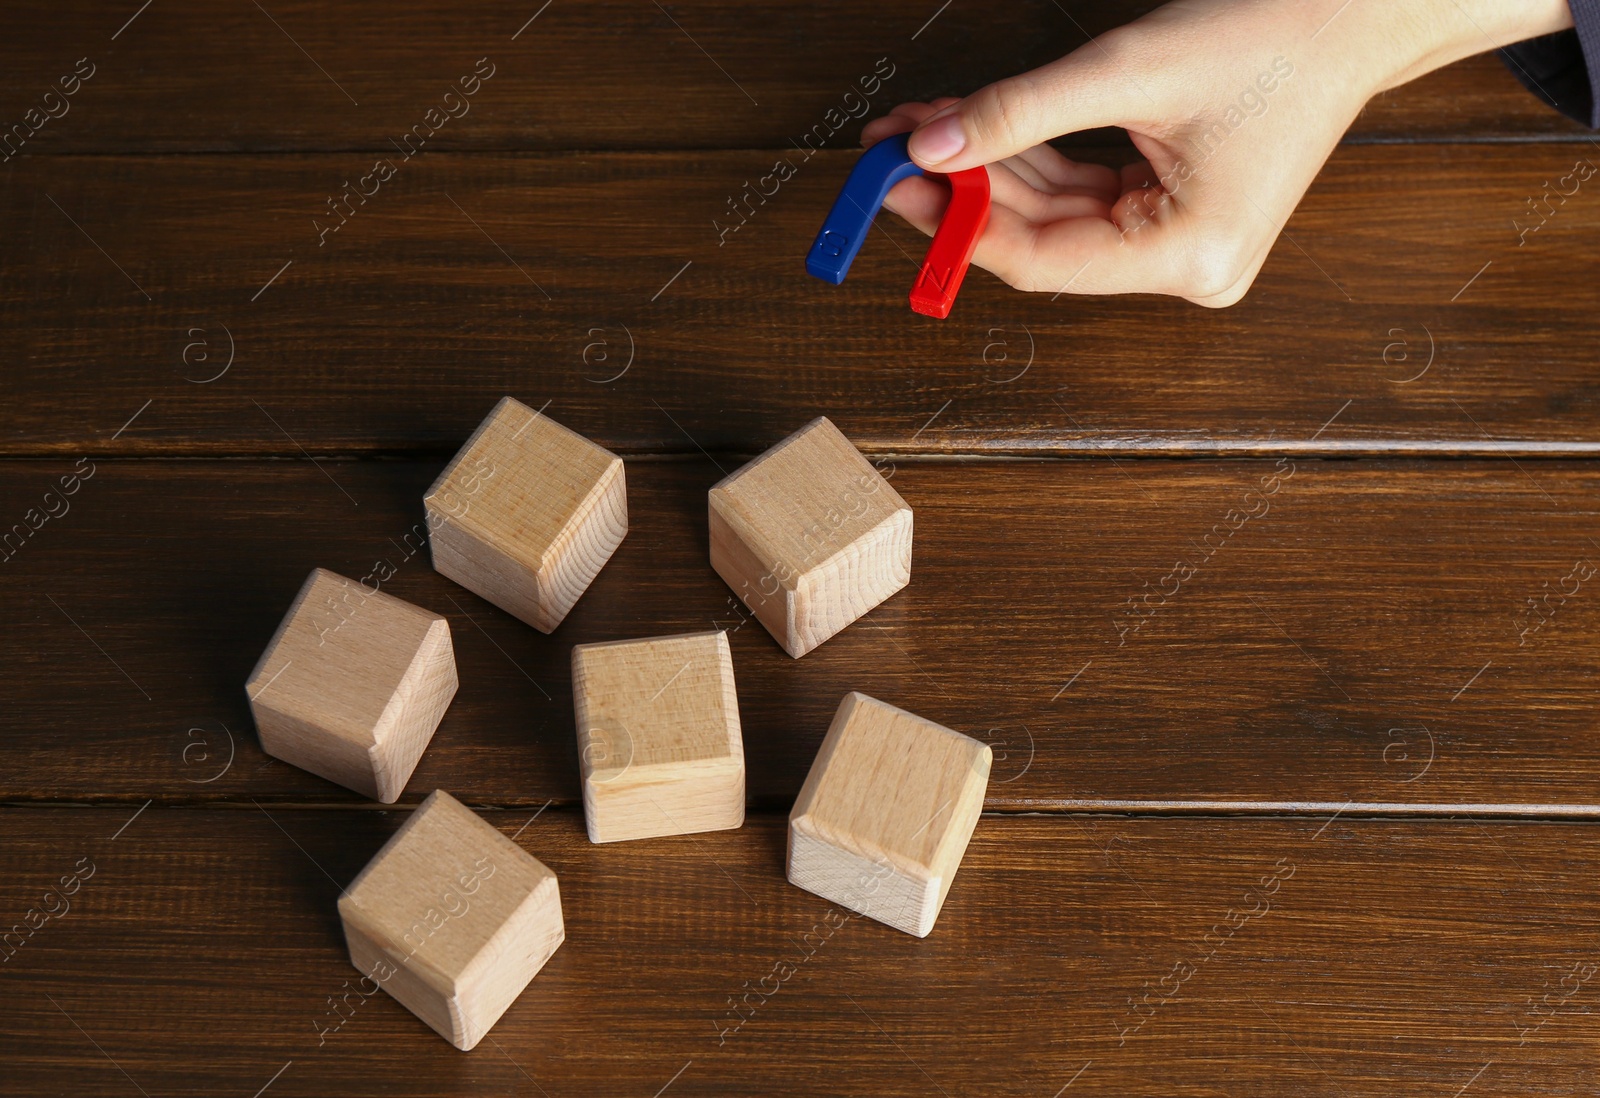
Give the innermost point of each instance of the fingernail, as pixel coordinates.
(939, 140)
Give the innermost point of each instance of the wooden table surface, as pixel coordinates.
(1380, 692)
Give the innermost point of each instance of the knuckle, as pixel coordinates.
(1026, 281)
(1008, 111)
(1214, 270)
(1120, 46)
(1018, 273)
(1232, 296)
(1028, 275)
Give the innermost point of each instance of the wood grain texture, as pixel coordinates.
(1364, 635)
(452, 919)
(609, 75)
(1267, 672)
(1383, 326)
(1356, 957)
(660, 743)
(809, 536)
(886, 812)
(1473, 100)
(352, 685)
(527, 513)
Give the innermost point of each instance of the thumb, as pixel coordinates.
(1078, 92)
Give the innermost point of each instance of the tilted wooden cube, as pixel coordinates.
(659, 744)
(353, 685)
(527, 514)
(810, 536)
(886, 813)
(452, 919)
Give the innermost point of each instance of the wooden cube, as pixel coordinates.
(886, 812)
(452, 919)
(810, 536)
(353, 684)
(659, 744)
(527, 514)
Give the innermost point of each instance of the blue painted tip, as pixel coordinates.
(850, 219)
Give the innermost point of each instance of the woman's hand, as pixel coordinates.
(1233, 105)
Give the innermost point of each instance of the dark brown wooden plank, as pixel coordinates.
(1475, 99)
(611, 75)
(724, 74)
(1364, 638)
(1389, 958)
(398, 332)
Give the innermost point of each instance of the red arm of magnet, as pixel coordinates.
(934, 292)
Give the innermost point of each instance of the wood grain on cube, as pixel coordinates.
(453, 919)
(527, 514)
(659, 742)
(1397, 958)
(810, 536)
(353, 684)
(886, 813)
(1450, 551)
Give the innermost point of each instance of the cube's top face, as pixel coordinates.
(805, 500)
(441, 890)
(887, 785)
(521, 480)
(654, 704)
(341, 655)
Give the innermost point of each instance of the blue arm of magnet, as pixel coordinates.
(879, 169)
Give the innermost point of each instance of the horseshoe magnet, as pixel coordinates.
(847, 224)
(953, 243)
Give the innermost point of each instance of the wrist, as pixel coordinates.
(1423, 35)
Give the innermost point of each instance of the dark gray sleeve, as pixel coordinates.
(1561, 68)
